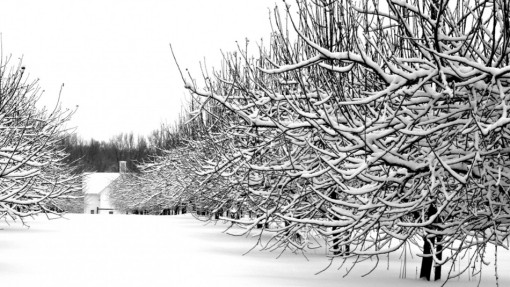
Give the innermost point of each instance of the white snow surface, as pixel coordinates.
(131, 250)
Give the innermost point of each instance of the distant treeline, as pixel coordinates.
(104, 156)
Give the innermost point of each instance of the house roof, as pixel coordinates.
(96, 182)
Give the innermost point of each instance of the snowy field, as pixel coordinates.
(130, 250)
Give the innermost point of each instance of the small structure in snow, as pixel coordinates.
(96, 189)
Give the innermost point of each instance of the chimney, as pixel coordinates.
(122, 167)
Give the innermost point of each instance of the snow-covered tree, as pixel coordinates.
(33, 177)
(168, 179)
(160, 186)
(379, 123)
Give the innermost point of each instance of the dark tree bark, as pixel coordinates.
(439, 252)
(428, 261)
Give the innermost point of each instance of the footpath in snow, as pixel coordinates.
(130, 250)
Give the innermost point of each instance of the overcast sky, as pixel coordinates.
(114, 56)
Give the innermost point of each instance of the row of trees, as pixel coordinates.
(33, 175)
(167, 174)
(378, 125)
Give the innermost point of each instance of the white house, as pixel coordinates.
(96, 189)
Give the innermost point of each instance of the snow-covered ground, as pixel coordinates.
(130, 250)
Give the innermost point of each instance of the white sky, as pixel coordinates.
(114, 56)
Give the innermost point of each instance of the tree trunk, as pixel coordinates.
(439, 254)
(426, 262)
(337, 250)
(336, 245)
